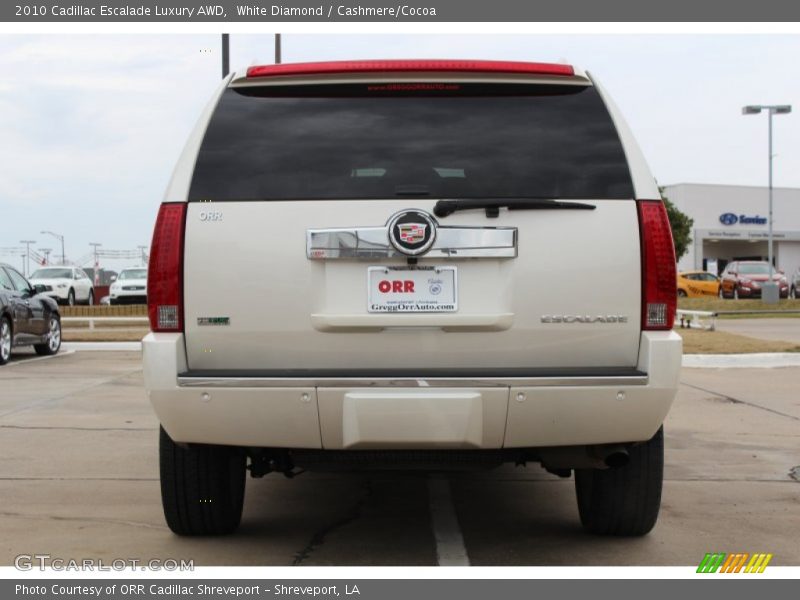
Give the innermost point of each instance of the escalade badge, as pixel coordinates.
(412, 232)
(584, 319)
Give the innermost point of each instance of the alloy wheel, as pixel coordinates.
(54, 338)
(5, 341)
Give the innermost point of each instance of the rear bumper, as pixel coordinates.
(396, 412)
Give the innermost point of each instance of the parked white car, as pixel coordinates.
(423, 264)
(68, 285)
(129, 288)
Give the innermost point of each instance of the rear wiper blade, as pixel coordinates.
(444, 208)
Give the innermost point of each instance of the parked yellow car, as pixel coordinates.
(696, 284)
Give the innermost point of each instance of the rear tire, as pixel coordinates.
(71, 298)
(623, 501)
(6, 340)
(681, 294)
(53, 343)
(90, 301)
(202, 487)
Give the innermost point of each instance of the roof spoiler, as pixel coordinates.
(410, 66)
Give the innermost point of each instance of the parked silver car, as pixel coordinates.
(130, 287)
(794, 290)
(68, 285)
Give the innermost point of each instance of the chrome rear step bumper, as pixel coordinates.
(393, 409)
(417, 378)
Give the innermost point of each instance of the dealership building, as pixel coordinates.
(730, 223)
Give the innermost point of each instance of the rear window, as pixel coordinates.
(399, 140)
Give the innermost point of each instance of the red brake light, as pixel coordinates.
(659, 283)
(165, 271)
(394, 66)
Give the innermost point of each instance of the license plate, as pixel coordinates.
(422, 289)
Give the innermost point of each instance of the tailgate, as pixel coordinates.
(254, 300)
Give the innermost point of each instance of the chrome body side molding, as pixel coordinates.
(372, 243)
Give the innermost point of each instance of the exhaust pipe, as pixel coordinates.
(560, 460)
(618, 458)
(612, 456)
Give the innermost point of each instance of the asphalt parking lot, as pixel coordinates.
(79, 479)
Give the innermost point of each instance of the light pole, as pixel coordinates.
(27, 254)
(96, 271)
(770, 291)
(277, 48)
(226, 53)
(58, 237)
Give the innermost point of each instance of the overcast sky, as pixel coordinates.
(91, 126)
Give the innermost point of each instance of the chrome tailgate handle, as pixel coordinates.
(373, 243)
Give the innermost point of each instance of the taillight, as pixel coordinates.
(659, 285)
(165, 271)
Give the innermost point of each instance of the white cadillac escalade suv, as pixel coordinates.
(411, 264)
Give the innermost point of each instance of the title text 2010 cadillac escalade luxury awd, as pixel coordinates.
(425, 264)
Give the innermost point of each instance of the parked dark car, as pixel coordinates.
(744, 278)
(27, 316)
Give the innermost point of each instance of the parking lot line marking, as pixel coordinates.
(450, 549)
(38, 358)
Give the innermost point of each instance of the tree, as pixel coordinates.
(681, 224)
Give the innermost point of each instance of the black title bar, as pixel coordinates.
(408, 11)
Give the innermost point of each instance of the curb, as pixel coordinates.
(120, 310)
(103, 346)
(765, 360)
